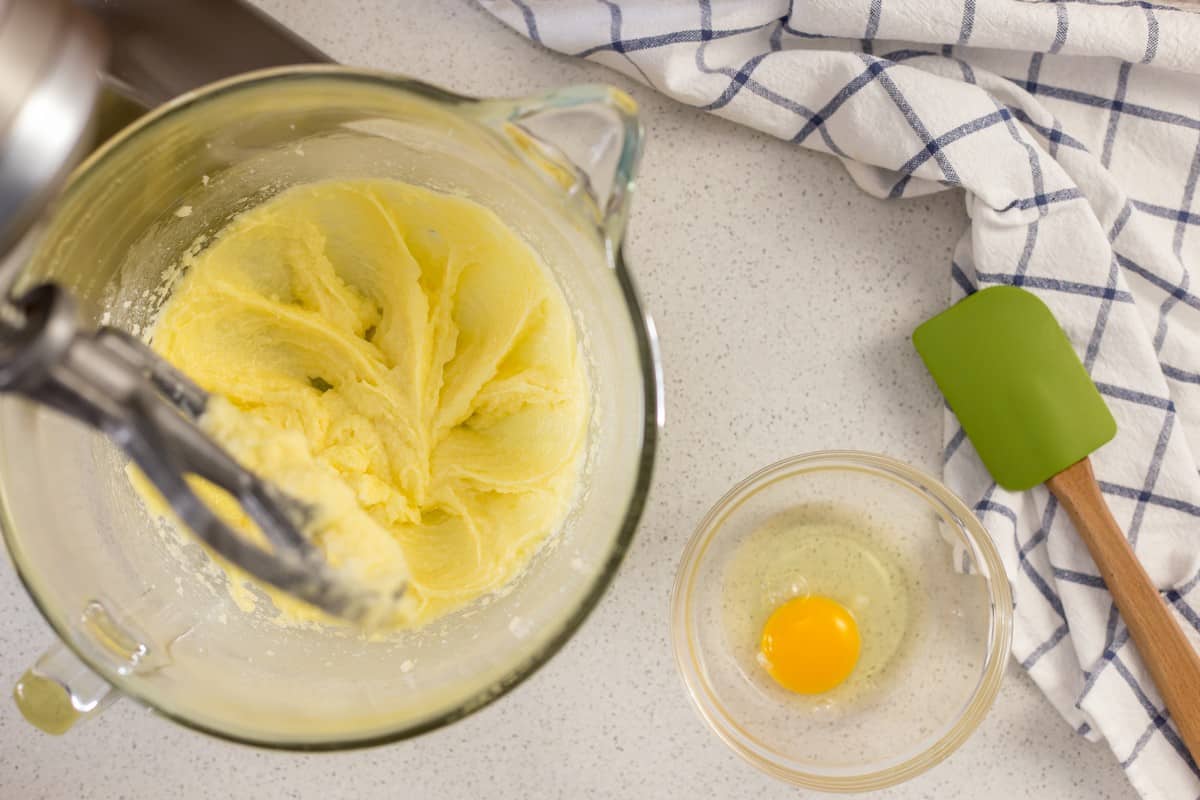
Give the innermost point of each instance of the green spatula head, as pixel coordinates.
(1014, 381)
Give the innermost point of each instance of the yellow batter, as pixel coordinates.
(422, 355)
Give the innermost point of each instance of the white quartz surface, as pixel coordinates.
(784, 297)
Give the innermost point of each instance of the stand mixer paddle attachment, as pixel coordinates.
(105, 378)
(114, 383)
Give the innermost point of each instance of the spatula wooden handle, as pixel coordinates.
(1173, 662)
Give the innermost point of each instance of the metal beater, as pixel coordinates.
(52, 54)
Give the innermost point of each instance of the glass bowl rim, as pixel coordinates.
(950, 507)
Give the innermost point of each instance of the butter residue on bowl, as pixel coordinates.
(419, 353)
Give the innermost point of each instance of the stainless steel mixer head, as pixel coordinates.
(56, 56)
(114, 383)
(50, 57)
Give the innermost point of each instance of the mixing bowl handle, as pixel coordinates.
(60, 690)
(586, 141)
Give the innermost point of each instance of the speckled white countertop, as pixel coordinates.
(784, 322)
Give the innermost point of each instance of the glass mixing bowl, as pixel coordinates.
(138, 605)
(935, 689)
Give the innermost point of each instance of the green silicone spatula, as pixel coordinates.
(1011, 376)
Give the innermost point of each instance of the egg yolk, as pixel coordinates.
(810, 644)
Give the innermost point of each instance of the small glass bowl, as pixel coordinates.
(936, 687)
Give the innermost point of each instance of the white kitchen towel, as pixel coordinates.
(1074, 128)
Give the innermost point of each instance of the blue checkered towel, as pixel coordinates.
(1074, 128)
